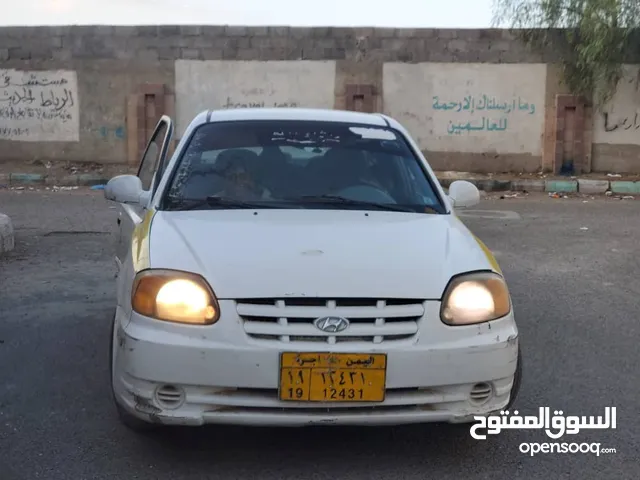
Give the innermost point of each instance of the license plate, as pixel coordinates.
(332, 377)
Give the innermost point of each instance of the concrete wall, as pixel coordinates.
(472, 113)
(99, 119)
(223, 84)
(616, 135)
(39, 106)
(94, 93)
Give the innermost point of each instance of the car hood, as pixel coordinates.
(321, 253)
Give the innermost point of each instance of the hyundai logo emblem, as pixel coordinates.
(331, 324)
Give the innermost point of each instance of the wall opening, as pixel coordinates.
(360, 98)
(568, 142)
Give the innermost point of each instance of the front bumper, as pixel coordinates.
(183, 375)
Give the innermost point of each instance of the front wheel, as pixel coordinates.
(128, 420)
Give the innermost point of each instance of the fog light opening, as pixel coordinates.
(170, 397)
(481, 393)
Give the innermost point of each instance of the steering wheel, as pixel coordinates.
(366, 193)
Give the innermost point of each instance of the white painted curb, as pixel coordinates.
(7, 241)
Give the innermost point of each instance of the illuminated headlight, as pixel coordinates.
(174, 296)
(475, 298)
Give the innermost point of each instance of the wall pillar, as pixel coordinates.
(144, 109)
(572, 136)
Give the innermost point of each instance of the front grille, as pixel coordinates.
(291, 319)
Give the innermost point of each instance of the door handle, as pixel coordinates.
(119, 221)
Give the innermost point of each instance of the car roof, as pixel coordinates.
(309, 114)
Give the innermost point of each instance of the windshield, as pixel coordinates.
(299, 164)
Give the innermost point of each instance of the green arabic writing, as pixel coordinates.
(488, 125)
(470, 104)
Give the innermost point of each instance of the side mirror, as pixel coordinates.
(125, 189)
(464, 194)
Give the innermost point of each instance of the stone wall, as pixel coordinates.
(93, 94)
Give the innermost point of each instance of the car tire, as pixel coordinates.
(128, 420)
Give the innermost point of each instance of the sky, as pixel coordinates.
(375, 13)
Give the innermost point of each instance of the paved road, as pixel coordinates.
(576, 294)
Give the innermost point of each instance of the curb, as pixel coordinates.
(586, 186)
(7, 241)
(37, 179)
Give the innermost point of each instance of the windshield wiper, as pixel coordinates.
(338, 200)
(196, 203)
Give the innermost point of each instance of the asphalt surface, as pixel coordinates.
(576, 297)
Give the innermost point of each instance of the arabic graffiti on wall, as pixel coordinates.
(618, 122)
(623, 123)
(118, 132)
(39, 106)
(232, 103)
(469, 107)
(483, 103)
(231, 84)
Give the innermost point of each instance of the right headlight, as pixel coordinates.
(174, 296)
(475, 298)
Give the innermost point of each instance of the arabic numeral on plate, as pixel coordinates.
(298, 377)
(328, 377)
(344, 378)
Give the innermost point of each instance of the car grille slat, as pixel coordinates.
(291, 319)
(309, 330)
(386, 312)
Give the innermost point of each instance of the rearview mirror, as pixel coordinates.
(125, 189)
(464, 194)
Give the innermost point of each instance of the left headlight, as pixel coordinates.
(475, 298)
(174, 296)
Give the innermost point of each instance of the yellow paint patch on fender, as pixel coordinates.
(140, 242)
(492, 260)
(490, 257)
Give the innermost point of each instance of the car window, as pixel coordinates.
(288, 162)
(149, 162)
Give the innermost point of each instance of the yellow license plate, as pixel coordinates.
(332, 377)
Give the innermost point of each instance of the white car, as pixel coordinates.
(292, 267)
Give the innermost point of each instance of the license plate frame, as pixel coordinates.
(361, 377)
